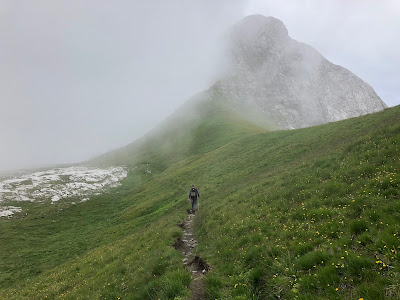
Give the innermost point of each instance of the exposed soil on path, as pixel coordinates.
(194, 264)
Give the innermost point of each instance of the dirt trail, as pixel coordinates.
(194, 264)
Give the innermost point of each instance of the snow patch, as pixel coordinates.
(8, 211)
(58, 184)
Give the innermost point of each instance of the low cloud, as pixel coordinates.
(79, 78)
(359, 35)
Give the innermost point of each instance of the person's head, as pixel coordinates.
(192, 185)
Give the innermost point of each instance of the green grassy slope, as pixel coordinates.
(307, 214)
(64, 249)
(311, 213)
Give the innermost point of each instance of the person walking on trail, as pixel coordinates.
(193, 194)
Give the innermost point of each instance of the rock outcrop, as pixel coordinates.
(290, 82)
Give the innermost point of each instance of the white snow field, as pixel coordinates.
(57, 184)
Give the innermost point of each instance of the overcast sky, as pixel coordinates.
(81, 77)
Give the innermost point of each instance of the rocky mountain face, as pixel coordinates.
(290, 82)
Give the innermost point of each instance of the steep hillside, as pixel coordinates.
(305, 214)
(106, 247)
(309, 213)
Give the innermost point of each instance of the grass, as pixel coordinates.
(322, 224)
(302, 214)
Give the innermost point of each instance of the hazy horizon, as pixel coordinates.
(82, 78)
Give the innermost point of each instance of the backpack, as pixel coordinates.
(193, 192)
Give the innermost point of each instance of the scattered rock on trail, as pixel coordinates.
(194, 264)
(181, 225)
(199, 264)
(179, 244)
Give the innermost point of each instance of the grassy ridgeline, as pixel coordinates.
(310, 213)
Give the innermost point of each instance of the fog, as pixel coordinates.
(80, 78)
(360, 35)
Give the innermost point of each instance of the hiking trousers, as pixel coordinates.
(194, 203)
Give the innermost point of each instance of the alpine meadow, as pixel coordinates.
(307, 213)
(291, 206)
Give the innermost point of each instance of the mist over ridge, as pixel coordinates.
(296, 159)
(80, 79)
(268, 80)
(293, 84)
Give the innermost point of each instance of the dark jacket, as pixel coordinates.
(197, 194)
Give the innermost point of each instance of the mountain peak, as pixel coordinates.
(293, 84)
(254, 38)
(262, 24)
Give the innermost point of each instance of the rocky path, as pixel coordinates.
(194, 264)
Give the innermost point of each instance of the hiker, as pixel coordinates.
(193, 194)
